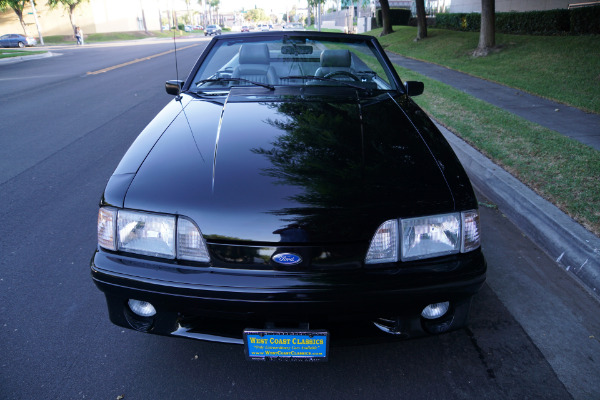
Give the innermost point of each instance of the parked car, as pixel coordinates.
(212, 30)
(245, 28)
(188, 28)
(17, 40)
(291, 195)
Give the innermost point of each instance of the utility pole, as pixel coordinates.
(37, 24)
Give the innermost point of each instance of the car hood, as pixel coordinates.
(289, 169)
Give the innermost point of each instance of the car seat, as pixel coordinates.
(334, 61)
(255, 64)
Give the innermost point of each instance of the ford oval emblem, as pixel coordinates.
(287, 258)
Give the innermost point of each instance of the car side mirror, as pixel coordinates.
(414, 88)
(174, 87)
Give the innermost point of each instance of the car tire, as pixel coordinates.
(21, 44)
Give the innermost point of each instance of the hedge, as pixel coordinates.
(585, 20)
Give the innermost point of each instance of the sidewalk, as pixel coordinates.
(574, 248)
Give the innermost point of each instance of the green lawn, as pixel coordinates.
(562, 68)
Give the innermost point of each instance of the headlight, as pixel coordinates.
(424, 237)
(433, 236)
(156, 235)
(149, 234)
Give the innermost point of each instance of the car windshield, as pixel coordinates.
(293, 60)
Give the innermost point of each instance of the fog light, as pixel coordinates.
(141, 308)
(436, 310)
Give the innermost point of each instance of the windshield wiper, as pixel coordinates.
(265, 85)
(322, 78)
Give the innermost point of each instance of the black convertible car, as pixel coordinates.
(292, 194)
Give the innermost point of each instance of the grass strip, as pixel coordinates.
(561, 170)
(562, 68)
(4, 53)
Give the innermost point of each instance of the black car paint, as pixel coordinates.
(248, 167)
(273, 192)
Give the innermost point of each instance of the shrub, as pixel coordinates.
(550, 22)
(585, 20)
(459, 21)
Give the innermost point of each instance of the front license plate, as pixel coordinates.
(284, 345)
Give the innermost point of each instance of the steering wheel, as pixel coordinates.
(343, 73)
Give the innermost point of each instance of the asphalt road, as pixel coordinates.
(533, 332)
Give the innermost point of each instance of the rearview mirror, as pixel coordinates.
(414, 88)
(174, 87)
(296, 49)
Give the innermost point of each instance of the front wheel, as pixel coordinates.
(21, 44)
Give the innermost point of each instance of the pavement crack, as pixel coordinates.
(490, 371)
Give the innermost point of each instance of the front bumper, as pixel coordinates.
(217, 304)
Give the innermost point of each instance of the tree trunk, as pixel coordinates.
(144, 21)
(487, 33)
(421, 20)
(72, 19)
(385, 17)
(20, 16)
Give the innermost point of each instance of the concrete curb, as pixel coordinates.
(573, 247)
(12, 60)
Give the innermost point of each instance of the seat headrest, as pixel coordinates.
(254, 53)
(336, 58)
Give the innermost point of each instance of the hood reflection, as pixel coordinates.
(357, 165)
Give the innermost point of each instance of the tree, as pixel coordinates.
(487, 33)
(385, 18)
(313, 4)
(256, 15)
(70, 6)
(214, 4)
(17, 6)
(421, 20)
